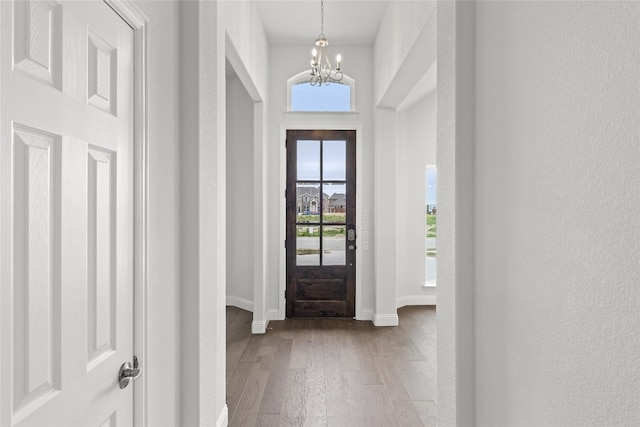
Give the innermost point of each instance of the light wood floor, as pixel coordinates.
(329, 372)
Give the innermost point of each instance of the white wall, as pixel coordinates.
(285, 62)
(245, 31)
(404, 52)
(163, 269)
(241, 208)
(557, 231)
(404, 49)
(416, 148)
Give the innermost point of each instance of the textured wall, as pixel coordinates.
(557, 230)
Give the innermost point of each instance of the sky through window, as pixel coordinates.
(334, 97)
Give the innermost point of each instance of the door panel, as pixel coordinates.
(320, 210)
(66, 213)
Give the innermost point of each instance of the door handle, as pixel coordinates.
(129, 373)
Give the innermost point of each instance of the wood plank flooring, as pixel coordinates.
(332, 372)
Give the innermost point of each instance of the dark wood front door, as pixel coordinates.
(321, 208)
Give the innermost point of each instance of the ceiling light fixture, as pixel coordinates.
(321, 70)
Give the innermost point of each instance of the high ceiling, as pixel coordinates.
(346, 22)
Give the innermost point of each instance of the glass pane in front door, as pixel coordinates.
(308, 160)
(333, 245)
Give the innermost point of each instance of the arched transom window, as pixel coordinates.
(334, 97)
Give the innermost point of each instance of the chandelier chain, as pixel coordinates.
(322, 16)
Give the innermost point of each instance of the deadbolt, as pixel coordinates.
(351, 233)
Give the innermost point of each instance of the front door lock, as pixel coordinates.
(128, 373)
(351, 233)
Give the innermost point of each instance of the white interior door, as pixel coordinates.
(66, 222)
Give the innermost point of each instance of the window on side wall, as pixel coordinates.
(431, 186)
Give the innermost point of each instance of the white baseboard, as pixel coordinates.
(385, 320)
(242, 303)
(416, 300)
(260, 326)
(365, 314)
(223, 419)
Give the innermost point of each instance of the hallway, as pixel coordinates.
(331, 372)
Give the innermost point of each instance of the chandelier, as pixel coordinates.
(321, 70)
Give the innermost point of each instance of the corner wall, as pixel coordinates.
(455, 147)
(163, 268)
(402, 40)
(203, 200)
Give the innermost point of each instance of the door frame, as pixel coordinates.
(134, 17)
(321, 123)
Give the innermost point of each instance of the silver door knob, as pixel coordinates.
(128, 373)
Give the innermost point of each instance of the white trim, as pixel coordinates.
(6, 219)
(359, 207)
(366, 314)
(385, 320)
(241, 303)
(223, 419)
(318, 115)
(260, 326)
(303, 76)
(415, 300)
(134, 17)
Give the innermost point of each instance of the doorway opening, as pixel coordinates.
(241, 204)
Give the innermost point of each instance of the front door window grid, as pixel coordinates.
(323, 202)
